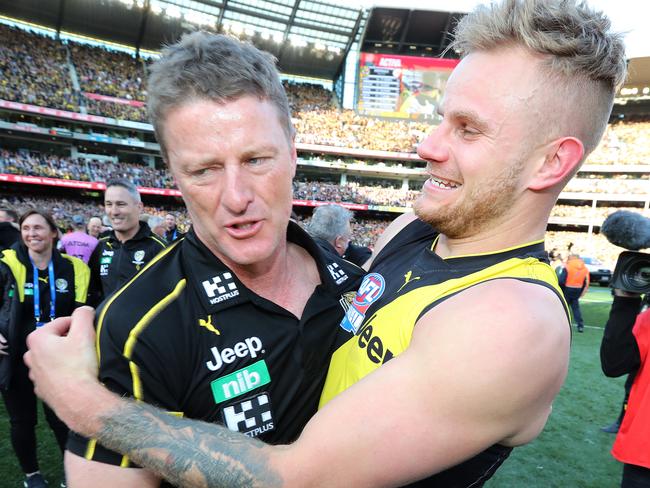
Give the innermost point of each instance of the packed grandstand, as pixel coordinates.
(74, 113)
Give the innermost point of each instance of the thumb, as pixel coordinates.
(82, 327)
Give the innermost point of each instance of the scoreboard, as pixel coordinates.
(405, 87)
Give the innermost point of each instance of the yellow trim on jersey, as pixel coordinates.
(18, 269)
(81, 278)
(90, 449)
(158, 240)
(435, 241)
(390, 327)
(149, 316)
(100, 320)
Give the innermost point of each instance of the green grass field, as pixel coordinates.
(571, 452)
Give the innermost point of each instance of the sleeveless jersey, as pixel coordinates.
(406, 280)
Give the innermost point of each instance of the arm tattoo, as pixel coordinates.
(186, 452)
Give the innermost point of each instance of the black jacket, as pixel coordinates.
(9, 235)
(113, 263)
(16, 312)
(173, 235)
(619, 351)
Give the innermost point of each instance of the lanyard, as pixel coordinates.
(37, 293)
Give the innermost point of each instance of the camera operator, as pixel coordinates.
(625, 349)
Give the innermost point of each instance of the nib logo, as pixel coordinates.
(240, 382)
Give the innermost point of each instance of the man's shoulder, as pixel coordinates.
(506, 307)
(157, 278)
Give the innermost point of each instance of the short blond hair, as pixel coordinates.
(583, 59)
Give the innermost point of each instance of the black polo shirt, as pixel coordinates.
(186, 335)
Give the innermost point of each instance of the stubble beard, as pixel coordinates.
(478, 210)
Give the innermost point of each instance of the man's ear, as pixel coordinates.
(563, 156)
(294, 158)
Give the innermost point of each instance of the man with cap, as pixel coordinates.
(78, 243)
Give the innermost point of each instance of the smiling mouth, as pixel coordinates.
(245, 226)
(441, 183)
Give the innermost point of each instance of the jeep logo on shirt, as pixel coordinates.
(248, 347)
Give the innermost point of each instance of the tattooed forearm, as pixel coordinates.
(185, 452)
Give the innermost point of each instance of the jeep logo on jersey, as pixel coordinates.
(106, 252)
(61, 285)
(371, 289)
(337, 273)
(251, 417)
(240, 382)
(374, 346)
(248, 347)
(221, 287)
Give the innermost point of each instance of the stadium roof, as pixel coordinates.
(309, 37)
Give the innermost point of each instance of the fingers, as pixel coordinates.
(82, 327)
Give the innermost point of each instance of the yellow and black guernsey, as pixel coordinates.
(407, 280)
(187, 336)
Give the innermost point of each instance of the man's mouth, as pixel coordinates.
(243, 226)
(442, 183)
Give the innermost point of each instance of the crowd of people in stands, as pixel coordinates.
(54, 166)
(625, 142)
(107, 72)
(37, 70)
(587, 212)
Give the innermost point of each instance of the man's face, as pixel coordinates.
(170, 222)
(233, 163)
(94, 227)
(479, 156)
(122, 209)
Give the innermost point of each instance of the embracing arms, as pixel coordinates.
(472, 377)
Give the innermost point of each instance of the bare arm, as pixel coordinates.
(80, 472)
(472, 377)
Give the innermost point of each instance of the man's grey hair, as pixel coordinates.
(329, 221)
(582, 59)
(127, 185)
(205, 66)
(155, 221)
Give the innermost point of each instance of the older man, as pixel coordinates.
(461, 333)
(236, 322)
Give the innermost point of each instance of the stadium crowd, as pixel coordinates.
(36, 70)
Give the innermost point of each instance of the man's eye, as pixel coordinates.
(468, 131)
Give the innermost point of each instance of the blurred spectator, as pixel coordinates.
(171, 232)
(78, 243)
(94, 227)
(9, 232)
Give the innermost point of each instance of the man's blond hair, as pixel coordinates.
(582, 59)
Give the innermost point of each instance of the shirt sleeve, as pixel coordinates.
(137, 359)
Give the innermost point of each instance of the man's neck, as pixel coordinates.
(126, 235)
(511, 233)
(41, 259)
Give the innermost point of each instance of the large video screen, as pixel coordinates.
(405, 87)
